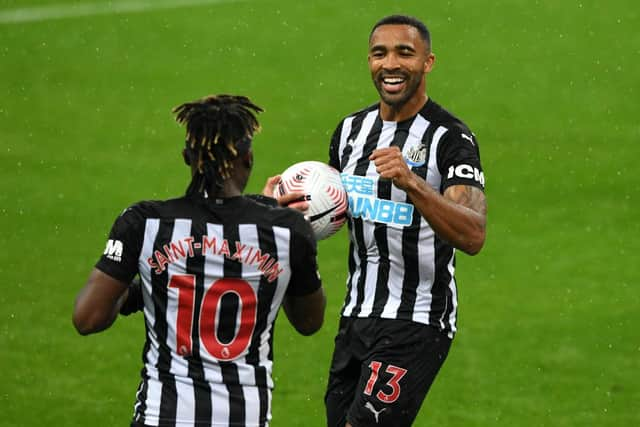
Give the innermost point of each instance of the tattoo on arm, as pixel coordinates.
(468, 196)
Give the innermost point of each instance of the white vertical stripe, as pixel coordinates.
(179, 366)
(346, 130)
(394, 235)
(251, 405)
(353, 279)
(385, 139)
(359, 142)
(426, 239)
(454, 293)
(282, 240)
(433, 173)
(249, 235)
(150, 233)
(426, 271)
(185, 405)
(358, 147)
(154, 396)
(387, 133)
(220, 405)
(373, 262)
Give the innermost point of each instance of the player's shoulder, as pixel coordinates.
(159, 208)
(361, 113)
(268, 210)
(455, 128)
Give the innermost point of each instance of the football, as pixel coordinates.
(323, 189)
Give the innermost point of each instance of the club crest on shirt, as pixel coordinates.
(415, 155)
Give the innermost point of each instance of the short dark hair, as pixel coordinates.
(405, 20)
(219, 129)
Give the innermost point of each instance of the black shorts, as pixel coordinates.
(382, 370)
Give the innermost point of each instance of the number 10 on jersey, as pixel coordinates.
(209, 309)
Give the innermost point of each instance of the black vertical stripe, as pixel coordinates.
(356, 125)
(400, 136)
(361, 169)
(159, 284)
(370, 145)
(440, 292)
(233, 268)
(142, 396)
(263, 393)
(351, 265)
(266, 291)
(449, 306)
(362, 254)
(201, 388)
(410, 236)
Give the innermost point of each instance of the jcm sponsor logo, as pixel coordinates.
(466, 172)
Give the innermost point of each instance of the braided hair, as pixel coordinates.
(219, 129)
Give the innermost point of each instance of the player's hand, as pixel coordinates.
(391, 165)
(294, 200)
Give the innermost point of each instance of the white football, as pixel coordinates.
(323, 189)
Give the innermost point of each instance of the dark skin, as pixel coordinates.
(98, 303)
(399, 60)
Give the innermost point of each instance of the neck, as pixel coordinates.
(398, 113)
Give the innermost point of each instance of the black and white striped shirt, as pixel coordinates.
(398, 267)
(214, 274)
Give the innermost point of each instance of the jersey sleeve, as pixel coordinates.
(305, 278)
(459, 159)
(120, 257)
(334, 147)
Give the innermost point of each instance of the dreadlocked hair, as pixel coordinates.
(219, 128)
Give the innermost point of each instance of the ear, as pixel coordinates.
(428, 65)
(185, 156)
(247, 160)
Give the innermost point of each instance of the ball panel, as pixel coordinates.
(322, 185)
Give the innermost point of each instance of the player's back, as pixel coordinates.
(214, 273)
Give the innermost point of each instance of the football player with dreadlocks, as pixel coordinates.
(214, 267)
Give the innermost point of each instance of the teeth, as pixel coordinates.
(393, 80)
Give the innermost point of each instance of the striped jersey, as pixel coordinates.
(398, 267)
(214, 273)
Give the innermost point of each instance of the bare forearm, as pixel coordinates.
(98, 303)
(459, 217)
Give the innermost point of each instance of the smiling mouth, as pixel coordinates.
(393, 80)
(393, 84)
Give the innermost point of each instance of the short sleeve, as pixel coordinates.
(305, 278)
(459, 159)
(122, 250)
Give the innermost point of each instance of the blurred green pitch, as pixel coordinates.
(548, 310)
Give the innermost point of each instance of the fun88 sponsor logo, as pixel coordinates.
(364, 204)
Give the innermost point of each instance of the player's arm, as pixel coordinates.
(98, 303)
(306, 313)
(111, 287)
(304, 302)
(457, 216)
